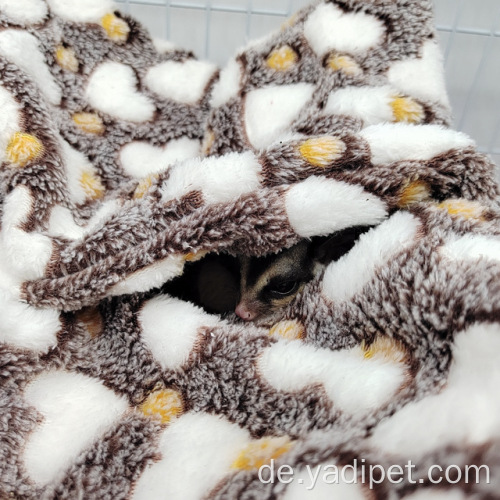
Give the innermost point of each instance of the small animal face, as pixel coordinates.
(271, 282)
(253, 287)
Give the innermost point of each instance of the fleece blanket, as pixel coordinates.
(123, 158)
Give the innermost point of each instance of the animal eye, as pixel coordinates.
(283, 288)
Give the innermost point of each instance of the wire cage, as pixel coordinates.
(469, 34)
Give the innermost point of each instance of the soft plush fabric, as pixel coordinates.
(121, 161)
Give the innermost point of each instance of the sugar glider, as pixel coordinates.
(254, 287)
(271, 282)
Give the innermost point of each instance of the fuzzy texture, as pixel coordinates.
(122, 159)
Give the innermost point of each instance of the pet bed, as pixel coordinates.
(123, 158)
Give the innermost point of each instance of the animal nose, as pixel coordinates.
(244, 313)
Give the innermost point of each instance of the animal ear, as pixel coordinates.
(329, 248)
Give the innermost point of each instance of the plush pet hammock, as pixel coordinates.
(122, 159)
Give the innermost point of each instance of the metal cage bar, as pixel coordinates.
(203, 7)
(487, 51)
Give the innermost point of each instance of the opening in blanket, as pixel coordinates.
(254, 287)
(126, 164)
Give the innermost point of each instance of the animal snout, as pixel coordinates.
(244, 313)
